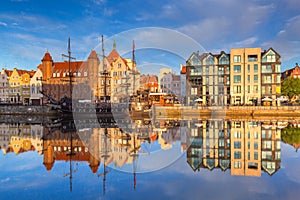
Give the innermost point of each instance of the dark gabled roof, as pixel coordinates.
(266, 51)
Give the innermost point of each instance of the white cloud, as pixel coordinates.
(99, 2)
(246, 42)
(108, 12)
(3, 24)
(287, 40)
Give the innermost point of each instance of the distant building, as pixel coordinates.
(4, 85)
(35, 88)
(149, 82)
(160, 76)
(182, 84)
(125, 77)
(19, 86)
(169, 82)
(294, 73)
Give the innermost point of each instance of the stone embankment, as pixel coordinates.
(191, 112)
(26, 110)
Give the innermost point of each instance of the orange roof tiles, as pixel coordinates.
(8, 72)
(93, 55)
(63, 67)
(94, 168)
(112, 56)
(47, 57)
(49, 166)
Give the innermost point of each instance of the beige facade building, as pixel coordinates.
(245, 75)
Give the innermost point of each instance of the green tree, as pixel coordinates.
(290, 87)
(291, 135)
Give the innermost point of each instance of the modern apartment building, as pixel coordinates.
(207, 77)
(246, 76)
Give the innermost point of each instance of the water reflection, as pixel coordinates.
(243, 147)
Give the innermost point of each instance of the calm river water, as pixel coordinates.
(166, 159)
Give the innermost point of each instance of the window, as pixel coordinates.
(278, 78)
(221, 70)
(255, 68)
(267, 79)
(237, 79)
(195, 61)
(263, 89)
(248, 68)
(237, 68)
(221, 143)
(193, 91)
(255, 156)
(248, 78)
(237, 165)
(237, 134)
(237, 59)
(252, 58)
(255, 88)
(210, 60)
(220, 80)
(237, 89)
(237, 155)
(256, 135)
(277, 68)
(224, 60)
(237, 145)
(255, 145)
(255, 78)
(249, 88)
(196, 71)
(266, 68)
(271, 58)
(119, 65)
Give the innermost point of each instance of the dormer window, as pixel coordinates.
(85, 73)
(54, 74)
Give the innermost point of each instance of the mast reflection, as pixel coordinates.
(245, 147)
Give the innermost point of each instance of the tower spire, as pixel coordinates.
(114, 45)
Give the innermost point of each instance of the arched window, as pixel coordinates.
(195, 61)
(224, 60)
(210, 60)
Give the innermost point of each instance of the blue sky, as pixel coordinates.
(30, 27)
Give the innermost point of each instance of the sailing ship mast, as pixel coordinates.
(70, 75)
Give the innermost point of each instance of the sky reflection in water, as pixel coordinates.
(24, 175)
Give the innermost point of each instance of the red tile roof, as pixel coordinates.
(94, 168)
(153, 78)
(21, 72)
(47, 57)
(49, 166)
(63, 67)
(8, 72)
(93, 55)
(112, 56)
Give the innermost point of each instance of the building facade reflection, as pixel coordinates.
(246, 148)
